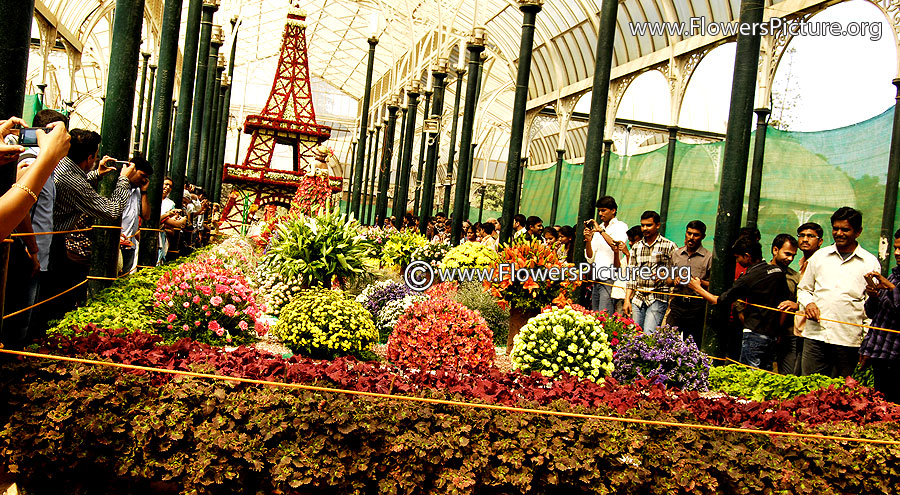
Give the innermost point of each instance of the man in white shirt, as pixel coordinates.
(833, 287)
(519, 225)
(600, 241)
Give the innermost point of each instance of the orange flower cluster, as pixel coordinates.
(529, 293)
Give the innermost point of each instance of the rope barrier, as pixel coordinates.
(32, 234)
(861, 325)
(426, 400)
(648, 291)
(45, 300)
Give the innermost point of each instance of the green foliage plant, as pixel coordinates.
(400, 246)
(316, 250)
(759, 385)
(473, 296)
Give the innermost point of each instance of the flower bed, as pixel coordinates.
(85, 428)
(641, 399)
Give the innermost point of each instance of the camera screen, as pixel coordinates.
(28, 137)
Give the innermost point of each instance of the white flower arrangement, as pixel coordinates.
(563, 340)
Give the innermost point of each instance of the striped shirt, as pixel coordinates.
(75, 196)
(654, 255)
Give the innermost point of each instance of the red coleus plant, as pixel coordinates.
(441, 333)
(529, 275)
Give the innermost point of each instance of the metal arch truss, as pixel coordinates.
(288, 118)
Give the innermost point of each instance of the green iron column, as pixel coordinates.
(890, 190)
(599, 98)
(214, 167)
(403, 113)
(171, 137)
(212, 143)
(468, 204)
(604, 171)
(218, 166)
(118, 111)
(401, 197)
(157, 150)
(386, 156)
(734, 166)
(353, 144)
(756, 172)
(428, 189)
(530, 9)
(140, 106)
(214, 69)
(356, 187)
(146, 136)
(370, 198)
(225, 114)
(15, 42)
(557, 180)
(460, 72)
(667, 179)
(184, 115)
(464, 174)
(365, 178)
(423, 137)
(200, 90)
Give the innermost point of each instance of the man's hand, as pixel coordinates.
(626, 308)
(6, 126)
(144, 185)
(127, 171)
(35, 263)
(788, 306)
(812, 312)
(695, 284)
(9, 153)
(104, 169)
(880, 281)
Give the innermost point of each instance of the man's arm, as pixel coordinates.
(87, 200)
(31, 246)
(806, 291)
(145, 203)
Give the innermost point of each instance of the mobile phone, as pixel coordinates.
(28, 135)
(119, 164)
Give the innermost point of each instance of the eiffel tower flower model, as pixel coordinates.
(288, 118)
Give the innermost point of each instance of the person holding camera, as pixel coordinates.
(77, 204)
(880, 349)
(601, 247)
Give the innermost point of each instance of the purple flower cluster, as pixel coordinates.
(380, 296)
(665, 357)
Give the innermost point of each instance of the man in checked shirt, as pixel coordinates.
(652, 255)
(881, 349)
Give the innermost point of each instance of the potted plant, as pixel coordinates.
(525, 296)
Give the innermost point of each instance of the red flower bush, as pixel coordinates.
(443, 289)
(441, 333)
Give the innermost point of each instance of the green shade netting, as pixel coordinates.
(806, 176)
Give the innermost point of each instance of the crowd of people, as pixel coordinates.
(54, 203)
(805, 321)
(810, 320)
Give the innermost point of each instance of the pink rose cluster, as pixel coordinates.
(208, 302)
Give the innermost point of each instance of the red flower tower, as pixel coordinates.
(289, 119)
